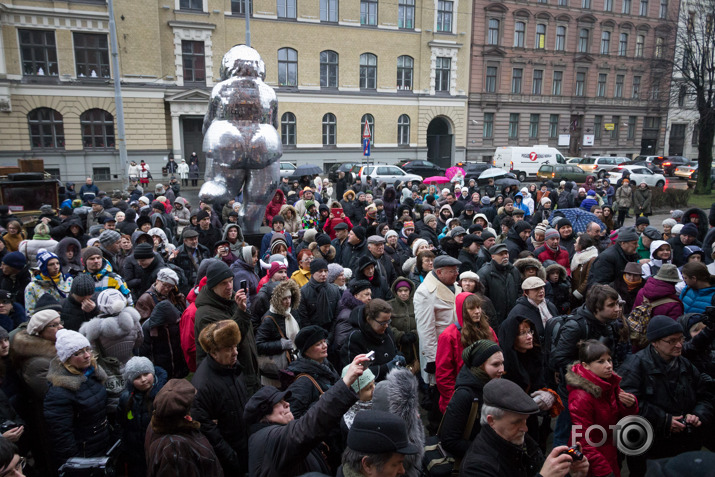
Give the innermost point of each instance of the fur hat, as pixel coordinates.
(69, 342)
(317, 265)
(359, 285)
(39, 320)
(111, 302)
(137, 366)
(221, 334)
(82, 285)
(42, 232)
(417, 244)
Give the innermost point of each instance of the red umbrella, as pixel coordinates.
(436, 180)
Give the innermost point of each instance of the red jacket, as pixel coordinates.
(448, 360)
(274, 206)
(186, 327)
(593, 400)
(561, 257)
(329, 227)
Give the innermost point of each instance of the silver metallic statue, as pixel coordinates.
(241, 141)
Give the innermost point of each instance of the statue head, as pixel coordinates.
(242, 60)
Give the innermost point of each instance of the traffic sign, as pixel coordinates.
(366, 132)
(366, 147)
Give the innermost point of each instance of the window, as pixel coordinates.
(636, 87)
(370, 120)
(655, 92)
(286, 8)
(288, 129)
(553, 126)
(682, 93)
(663, 12)
(97, 129)
(287, 67)
(368, 71)
(583, 40)
(403, 130)
(623, 45)
(536, 85)
(238, 7)
(406, 14)
(605, 42)
(330, 126)
(513, 125)
(695, 138)
(519, 30)
(616, 120)
(328, 69)
(91, 53)
(608, 5)
(444, 15)
(597, 126)
(540, 43)
(534, 125)
(601, 87)
(53, 172)
(563, 3)
(631, 127)
(556, 86)
(101, 174)
(659, 42)
(328, 10)
(580, 83)
(488, 128)
(404, 72)
(493, 36)
(39, 54)
(643, 11)
(442, 73)
(46, 129)
(586, 4)
(560, 38)
(368, 12)
(491, 79)
(626, 7)
(191, 5)
(516, 76)
(192, 55)
(618, 93)
(640, 45)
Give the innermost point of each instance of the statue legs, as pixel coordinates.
(259, 187)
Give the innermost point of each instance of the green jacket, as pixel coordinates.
(642, 251)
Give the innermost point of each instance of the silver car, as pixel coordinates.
(387, 174)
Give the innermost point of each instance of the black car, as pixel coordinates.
(340, 167)
(472, 170)
(670, 163)
(421, 168)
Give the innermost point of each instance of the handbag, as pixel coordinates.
(269, 365)
(436, 461)
(113, 367)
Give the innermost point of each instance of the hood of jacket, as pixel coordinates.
(655, 289)
(523, 263)
(389, 195)
(182, 201)
(403, 279)
(459, 306)
(288, 207)
(227, 227)
(655, 245)
(514, 236)
(279, 197)
(563, 274)
(330, 256)
(157, 232)
(61, 251)
(347, 300)
(703, 223)
(578, 377)
(112, 327)
(60, 377)
(278, 292)
(163, 314)
(159, 216)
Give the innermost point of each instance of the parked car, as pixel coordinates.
(565, 172)
(654, 169)
(690, 171)
(422, 168)
(638, 174)
(670, 163)
(601, 166)
(287, 169)
(648, 158)
(573, 160)
(345, 167)
(387, 173)
(692, 182)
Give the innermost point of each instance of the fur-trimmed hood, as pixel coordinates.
(60, 377)
(26, 346)
(578, 377)
(278, 292)
(112, 327)
(563, 274)
(523, 263)
(329, 257)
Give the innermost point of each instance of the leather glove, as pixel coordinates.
(286, 344)
(408, 339)
(543, 399)
(397, 361)
(431, 368)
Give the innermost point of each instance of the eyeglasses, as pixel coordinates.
(82, 351)
(15, 470)
(674, 341)
(307, 259)
(526, 332)
(384, 324)
(55, 325)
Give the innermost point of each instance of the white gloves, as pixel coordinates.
(543, 399)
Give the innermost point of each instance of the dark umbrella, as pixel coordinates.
(306, 170)
(579, 219)
(506, 181)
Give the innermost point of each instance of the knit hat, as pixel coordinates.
(429, 218)
(82, 285)
(668, 273)
(670, 223)
(522, 226)
(362, 381)
(174, 399)
(317, 265)
(309, 236)
(137, 366)
(216, 273)
(42, 232)
(158, 206)
(219, 335)
(563, 222)
(89, 252)
(661, 326)
(43, 258)
(109, 237)
(359, 232)
(404, 284)
(69, 342)
(486, 200)
(478, 352)
(627, 234)
(15, 260)
(48, 302)
(143, 250)
(308, 336)
(551, 233)
(144, 199)
(642, 221)
(540, 229)
(111, 302)
(676, 214)
(359, 285)
(202, 214)
(167, 275)
(334, 271)
(544, 200)
(275, 266)
(39, 320)
(417, 244)
(689, 229)
(390, 233)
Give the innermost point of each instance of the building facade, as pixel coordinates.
(590, 77)
(401, 67)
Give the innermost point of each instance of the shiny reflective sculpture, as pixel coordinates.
(241, 141)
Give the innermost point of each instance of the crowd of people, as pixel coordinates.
(369, 322)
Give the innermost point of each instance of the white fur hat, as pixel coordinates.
(69, 342)
(111, 302)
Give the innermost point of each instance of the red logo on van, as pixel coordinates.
(532, 155)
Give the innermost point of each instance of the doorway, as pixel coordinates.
(193, 140)
(677, 139)
(439, 142)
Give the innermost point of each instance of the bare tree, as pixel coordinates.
(694, 67)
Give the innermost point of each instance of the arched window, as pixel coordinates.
(328, 69)
(368, 71)
(288, 129)
(405, 66)
(367, 118)
(287, 67)
(330, 129)
(46, 129)
(403, 130)
(97, 129)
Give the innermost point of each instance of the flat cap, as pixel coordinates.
(652, 233)
(341, 226)
(376, 239)
(458, 230)
(497, 248)
(507, 395)
(446, 261)
(532, 283)
(189, 233)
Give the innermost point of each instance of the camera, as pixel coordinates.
(104, 466)
(688, 427)
(370, 358)
(574, 452)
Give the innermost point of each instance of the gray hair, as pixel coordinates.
(353, 459)
(487, 410)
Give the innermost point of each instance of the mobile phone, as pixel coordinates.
(370, 357)
(244, 285)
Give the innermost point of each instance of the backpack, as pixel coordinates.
(639, 318)
(552, 334)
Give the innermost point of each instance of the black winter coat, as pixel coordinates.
(503, 287)
(470, 263)
(188, 264)
(311, 311)
(610, 262)
(363, 340)
(522, 307)
(261, 303)
(268, 338)
(515, 245)
(304, 393)
(73, 315)
(16, 284)
(162, 340)
(467, 389)
(430, 235)
(490, 455)
(221, 397)
(138, 278)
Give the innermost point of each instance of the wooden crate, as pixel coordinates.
(5, 170)
(31, 165)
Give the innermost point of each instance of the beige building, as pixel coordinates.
(400, 66)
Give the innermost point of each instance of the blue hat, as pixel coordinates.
(43, 258)
(15, 260)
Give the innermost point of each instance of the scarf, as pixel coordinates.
(632, 285)
(292, 327)
(349, 416)
(543, 311)
(583, 257)
(56, 279)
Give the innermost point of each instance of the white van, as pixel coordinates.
(525, 161)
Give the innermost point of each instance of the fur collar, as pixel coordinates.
(580, 258)
(25, 346)
(112, 327)
(59, 376)
(577, 381)
(329, 257)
